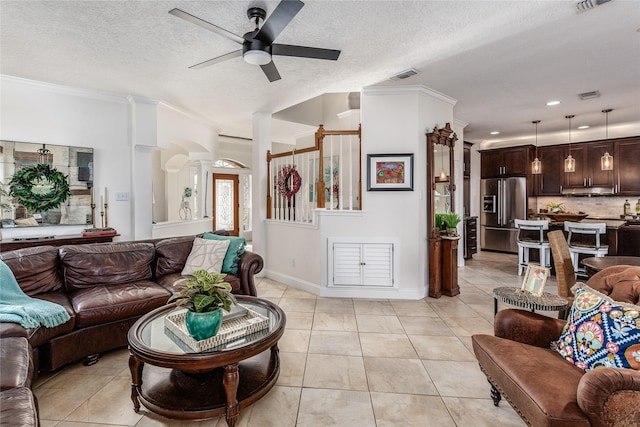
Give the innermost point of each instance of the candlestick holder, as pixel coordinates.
(102, 219)
(93, 215)
(106, 216)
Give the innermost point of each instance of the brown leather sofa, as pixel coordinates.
(544, 388)
(105, 288)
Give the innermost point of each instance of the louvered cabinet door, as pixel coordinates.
(362, 264)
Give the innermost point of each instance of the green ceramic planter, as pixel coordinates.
(203, 325)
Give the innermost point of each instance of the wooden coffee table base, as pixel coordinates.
(195, 396)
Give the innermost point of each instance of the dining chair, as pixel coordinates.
(531, 235)
(563, 264)
(592, 246)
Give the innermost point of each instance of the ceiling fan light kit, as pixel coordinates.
(258, 45)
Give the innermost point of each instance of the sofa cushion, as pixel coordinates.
(35, 269)
(18, 408)
(206, 255)
(103, 304)
(42, 334)
(16, 363)
(600, 332)
(620, 283)
(537, 381)
(232, 257)
(85, 266)
(171, 254)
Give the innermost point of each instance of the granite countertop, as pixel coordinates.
(611, 223)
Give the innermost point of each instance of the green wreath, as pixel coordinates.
(39, 187)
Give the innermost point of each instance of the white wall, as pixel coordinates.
(51, 114)
(394, 121)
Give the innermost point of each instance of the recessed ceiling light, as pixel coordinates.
(495, 132)
(551, 103)
(583, 127)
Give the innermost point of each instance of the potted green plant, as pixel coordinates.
(204, 295)
(555, 207)
(439, 220)
(451, 220)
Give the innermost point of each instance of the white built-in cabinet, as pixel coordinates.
(361, 264)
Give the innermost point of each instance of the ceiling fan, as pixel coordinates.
(257, 45)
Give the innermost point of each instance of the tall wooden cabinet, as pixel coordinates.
(626, 166)
(506, 162)
(549, 182)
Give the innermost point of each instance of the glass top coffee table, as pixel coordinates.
(172, 380)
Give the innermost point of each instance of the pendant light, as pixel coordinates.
(606, 162)
(569, 162)
(536, 165)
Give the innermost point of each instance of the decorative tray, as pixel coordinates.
(230, 330)
(567, 216)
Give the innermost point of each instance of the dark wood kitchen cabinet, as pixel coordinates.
(588, 173)
(626, 165)
(549, 182)
(506, 162)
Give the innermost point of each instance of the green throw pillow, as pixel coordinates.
(236, 248)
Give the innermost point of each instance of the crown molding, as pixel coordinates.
(399, 90)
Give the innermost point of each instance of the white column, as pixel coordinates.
(261, 143)
(458, 159)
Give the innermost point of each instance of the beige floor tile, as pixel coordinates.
(335, 408)
(413, 308)
(468, 325)
(393, 375)
(424, 326)
(441, 348)
(387, 345)
(335, 372)
(292, 369)
(334, 322)
(482, 413)
(335, 305)
(61, 395)
(335, 342)
(305, 305)
(49, 423)
(154, 420)
(299, 320)
(393, 410)
(369, 306)
(294, 341)
(380, 324)
(458, 379)
(270, 288)
(278, 408)
(80, 424)
(297, 293)
(110, 363)
(111, 405)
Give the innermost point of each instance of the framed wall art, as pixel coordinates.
(390, 172)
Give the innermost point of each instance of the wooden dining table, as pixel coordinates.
(592, 265)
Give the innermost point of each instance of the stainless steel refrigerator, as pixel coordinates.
(503, 200)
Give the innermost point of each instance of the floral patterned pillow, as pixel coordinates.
(600, 332)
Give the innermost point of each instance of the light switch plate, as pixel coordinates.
(122, 196)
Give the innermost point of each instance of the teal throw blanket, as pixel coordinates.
(17, 307)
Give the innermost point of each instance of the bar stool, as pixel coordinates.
(526, 241)
(592, 247)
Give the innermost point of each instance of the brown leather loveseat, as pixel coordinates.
(105, 288)
(543, 387)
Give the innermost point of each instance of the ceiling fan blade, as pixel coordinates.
(271, 71)
(278, 20)
(207, 25)
(304, 51)
(217, 59)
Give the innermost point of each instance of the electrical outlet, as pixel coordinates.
(122, 196)
(293, 262)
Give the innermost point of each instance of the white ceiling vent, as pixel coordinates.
(405, 74)
(583, 5)
(589, 95)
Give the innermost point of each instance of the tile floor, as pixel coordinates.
(346, 362)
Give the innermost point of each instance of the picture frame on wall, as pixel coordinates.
(389, 172)
(534, 279)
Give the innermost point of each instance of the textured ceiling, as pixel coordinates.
(502, 60)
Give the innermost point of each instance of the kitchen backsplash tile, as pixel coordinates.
(595, 206)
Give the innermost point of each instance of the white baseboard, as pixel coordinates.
(348, 291)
